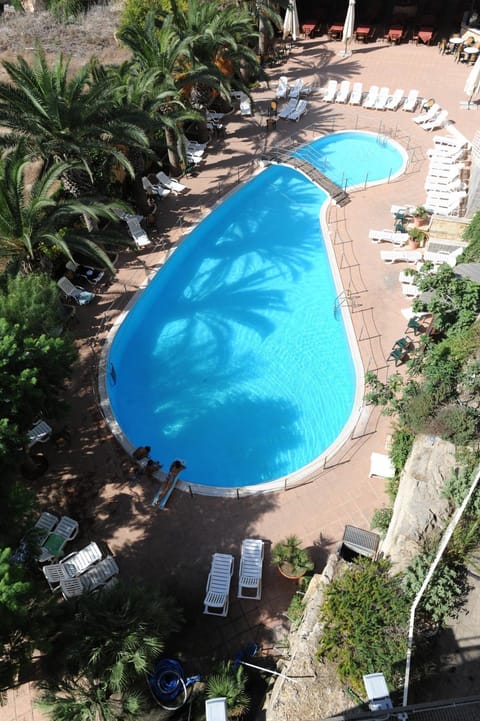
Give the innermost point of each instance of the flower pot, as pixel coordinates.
(413, 243)
(287, 572)
(419, 221)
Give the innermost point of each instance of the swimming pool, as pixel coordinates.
(233, 358)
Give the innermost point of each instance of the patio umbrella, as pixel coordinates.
(349, 25)
(472, 86)
(291, 26)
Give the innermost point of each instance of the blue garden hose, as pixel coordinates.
(169, 685)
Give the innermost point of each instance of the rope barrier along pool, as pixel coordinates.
(169, 685)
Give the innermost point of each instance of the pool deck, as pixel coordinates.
(93, 479)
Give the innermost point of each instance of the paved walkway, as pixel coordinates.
(92, 481)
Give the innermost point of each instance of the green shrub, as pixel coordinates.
(381, 520)
(455, 423)
(230, 682)
(447, 591)
(471, 254)
(65, 10)
(135, 11)
(365, 616)
(402, 442)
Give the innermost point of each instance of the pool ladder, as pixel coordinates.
(346, 297)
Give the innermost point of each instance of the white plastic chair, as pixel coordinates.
(72, 565)
(75, 292)
(251, 567)
(216, 709)
(245, 105)
(216, 599)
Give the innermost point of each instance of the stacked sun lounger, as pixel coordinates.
(388, 236)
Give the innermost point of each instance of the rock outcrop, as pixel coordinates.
(419, 505)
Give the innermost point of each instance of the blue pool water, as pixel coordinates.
(233, 358)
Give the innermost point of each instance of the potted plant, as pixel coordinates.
(417, 237)
(420, 215)
(291, 559)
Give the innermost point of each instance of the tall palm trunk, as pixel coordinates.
(174, 158)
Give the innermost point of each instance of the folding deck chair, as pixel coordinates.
(216, 599)
(40, 432)
(251, 566)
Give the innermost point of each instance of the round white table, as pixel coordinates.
(471, 51)
(455, 41)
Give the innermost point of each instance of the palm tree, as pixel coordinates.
(159, 66)
(220, 41)
(105, 650)
(67, 117)
(268, 21)
(34, 219)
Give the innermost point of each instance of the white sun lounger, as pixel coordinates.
(356, 95)
(382, 98)
(388, 236)
(440, 257)
(250, 572)
(372, 96)
(427, 115)
(410, 290)
(140, 238)
(245, 106)
(330, 91)
(170, 183)
(157, 190)
(216, 599)
(289, 108)
(95, 578)
(72, 565)
(282, 87)
(381, 465)
(404, 256)
(411, 101)
(66, 530)
(437, 122)
(216, 709)
(343, 92)
(40, 432)
(296, 89)
(394, 101)
(301, 109)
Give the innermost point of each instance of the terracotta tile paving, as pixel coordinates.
(92, 480)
